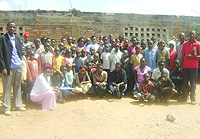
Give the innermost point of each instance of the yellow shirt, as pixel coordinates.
(58, 61)
(135, 60)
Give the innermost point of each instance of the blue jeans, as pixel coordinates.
(121, 91)
(190, 75)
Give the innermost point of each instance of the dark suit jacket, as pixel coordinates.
(6, 51)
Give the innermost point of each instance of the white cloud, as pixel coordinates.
(4, 5)
(19, 4)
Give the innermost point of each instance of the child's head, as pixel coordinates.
(68, 53)
(125, 54)
(63, 40)
(32, 55)
(48, 40)
(87, 41)
(134, 41)
(69, 40)
(150, 44)
(126, 43)
(69, 66)
(43, 40)
(33, 47)
(99, 68)
(82, 70)
(177, 64)
(105, 40)
(81, 41)
(137, 48)
(101, 42)
(107, 47)
(37, 42)
(117, 45)
(73, 49)
(113, 42)
(161, 44)
(93, 39)
(182, 37)
(146, 77)
(28, 49)
(53, 43)
(100, 50)
(161, 65)
(83, 53)
(142, 62)
(92, 50)
(143, 44)
(47, 46)
(101, 37)
(164, 74)
(118, 67)
(63, 69)
(117, 40)
(89, 66)
(153, 38)
(121, 38)
(57, 51)
(172, 44)
(96, 57)
(61, 46)
(26, 37)
(78, 53)
(111, 37)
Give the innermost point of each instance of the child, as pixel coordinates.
(162, 53)
(125, 60)
(32, 71)
(100, 81)
(145, 90)
(45, 58)
(82, 82)
(69, 42)
(73, 50)
(143, 46)
(135, 58)
(78, 61)
(89, 70)
(126, 44)
(100, 51)
(66, 86)
(58, 59)
(131, 48)
(83, 56)
(164, 88)
(177, 77)
(115, 57)
(172, 46)
(105, 59)
(91, 54)
(96, 60)
(68, 58)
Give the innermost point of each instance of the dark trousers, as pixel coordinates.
(190, 75)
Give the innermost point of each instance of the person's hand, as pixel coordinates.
(137, 87)
(4, 72)
(147, 95)
(101, 85)
(117, 85)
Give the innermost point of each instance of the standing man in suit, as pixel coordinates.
(10, 67)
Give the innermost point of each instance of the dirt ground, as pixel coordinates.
(101, 119)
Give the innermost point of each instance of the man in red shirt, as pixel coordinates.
(189, 64)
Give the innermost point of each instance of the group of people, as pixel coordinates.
(47, 72)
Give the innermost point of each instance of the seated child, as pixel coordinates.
(145, 90)
(81, 81)
(164, 88)
(100, 81)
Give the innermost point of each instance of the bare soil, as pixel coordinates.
(101, 119)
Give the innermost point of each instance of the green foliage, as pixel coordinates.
(196, 29)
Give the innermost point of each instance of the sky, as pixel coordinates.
(161, 7)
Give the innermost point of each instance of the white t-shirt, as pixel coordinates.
(106, 61)
(156, 73)
(96, 47)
